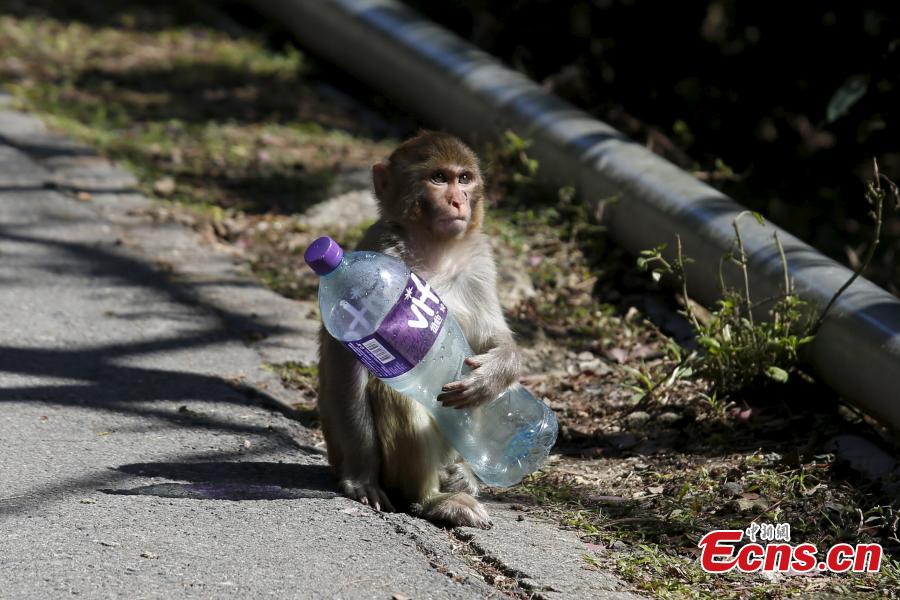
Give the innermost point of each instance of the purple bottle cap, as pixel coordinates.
(324, 255)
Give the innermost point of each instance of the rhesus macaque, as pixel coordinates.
(385, 448)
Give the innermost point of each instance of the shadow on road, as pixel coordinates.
(232, 481)
(104, 376)
(105, 384)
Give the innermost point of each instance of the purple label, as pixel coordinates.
(406, 334)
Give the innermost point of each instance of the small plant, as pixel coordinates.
(296, 376)
(511, 171)
(513, 153)
(738, 350)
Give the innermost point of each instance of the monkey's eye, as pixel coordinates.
(438, 177)
(465, 178)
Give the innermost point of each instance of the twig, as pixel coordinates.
(876, 193)
(684, 288)
(784, 265)
(740, 245)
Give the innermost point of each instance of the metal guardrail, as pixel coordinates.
(457, 87)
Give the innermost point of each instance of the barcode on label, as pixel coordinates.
(378, 351)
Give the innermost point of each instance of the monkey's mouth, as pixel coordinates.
(452, 219)
(450, 225)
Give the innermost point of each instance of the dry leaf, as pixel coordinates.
(164, 186)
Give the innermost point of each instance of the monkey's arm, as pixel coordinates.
(497, 364)
(348, 425)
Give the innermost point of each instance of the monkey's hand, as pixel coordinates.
(366, 491)
(491, 374)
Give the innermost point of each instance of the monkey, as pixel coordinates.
(385, 448)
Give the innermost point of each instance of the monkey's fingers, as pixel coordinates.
(464, 394)
(474, 362)
(454, 386)
(384, 501)
(449, 400)
(370, 495)
(454, 393)
(377, 499)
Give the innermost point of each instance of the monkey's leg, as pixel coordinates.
(458, 477)
(347, 424)
(456, 504)
(418, 467)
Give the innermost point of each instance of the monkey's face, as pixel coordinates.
(447, 199)
(431, 185)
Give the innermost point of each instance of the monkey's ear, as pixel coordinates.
(381, 177)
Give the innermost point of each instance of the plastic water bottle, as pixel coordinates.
(397, 327)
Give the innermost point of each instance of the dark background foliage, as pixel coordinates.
(736, 91)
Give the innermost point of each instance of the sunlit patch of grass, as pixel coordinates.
(303, 379)
(202, 117)
(224, 129)
(296, 375)
(650, 541)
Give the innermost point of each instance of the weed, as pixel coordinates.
(301, 378)
(295, 375)
(737, 350)
(510, 164)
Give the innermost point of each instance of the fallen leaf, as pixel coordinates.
(846, 96)
(164, 186)
(146, 554)
(618, 354)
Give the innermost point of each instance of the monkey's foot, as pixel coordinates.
(456, 510)
(370, 494)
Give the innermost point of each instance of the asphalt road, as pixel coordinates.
(146, 451)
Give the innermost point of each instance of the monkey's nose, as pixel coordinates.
(458, 199)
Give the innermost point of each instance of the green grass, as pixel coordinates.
(645, 543)
(296, 375)
(200, 116)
